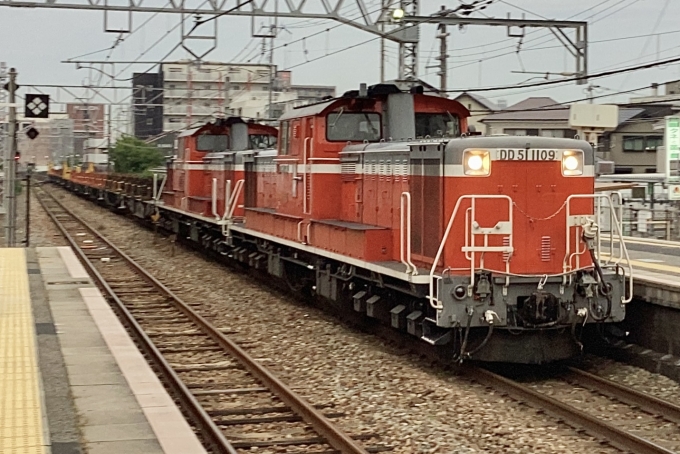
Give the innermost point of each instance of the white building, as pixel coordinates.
(184, 93)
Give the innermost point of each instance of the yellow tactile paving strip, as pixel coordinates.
(21, 427)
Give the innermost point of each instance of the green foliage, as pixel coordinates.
(132, 155)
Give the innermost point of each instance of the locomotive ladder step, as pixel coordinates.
(433, 334)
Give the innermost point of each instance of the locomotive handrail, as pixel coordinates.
(233, 200)
(230, 201)
(623, 250)
(227, 198)
(434, 300)
(213, 197)
(405, 230)
(305, 182)
(158, 193)
(612, 219)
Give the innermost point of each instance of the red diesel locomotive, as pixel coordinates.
(376, 201)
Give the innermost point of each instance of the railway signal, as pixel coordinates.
(32, 133)
(37, 106)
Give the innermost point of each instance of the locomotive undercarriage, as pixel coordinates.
(524, 320)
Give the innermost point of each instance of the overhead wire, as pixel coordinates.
(537, 38)
(572, 79)
(656, 26)
(560, 105)
(120, 39)
(344, 49)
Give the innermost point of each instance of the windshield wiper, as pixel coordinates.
(342, 109)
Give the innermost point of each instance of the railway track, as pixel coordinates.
(627, 419)
(235, 403)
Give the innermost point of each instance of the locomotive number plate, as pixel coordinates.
(531, 154)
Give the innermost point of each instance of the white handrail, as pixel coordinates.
(405, 230)
(214, 198)
(623, 250)
(234, 198)
(305, 182)
(230, 202)
(159, 194)
(227, 198)
(434, 302)
(299, 231)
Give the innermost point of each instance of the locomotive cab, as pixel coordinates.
(520, 249)
(206, 170)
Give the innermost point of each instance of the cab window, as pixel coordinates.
(437, 125)
(261, 141)
(283, 131)
(212, 142)
(180, 148)
(353, 126)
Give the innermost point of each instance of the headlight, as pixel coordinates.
(476, 162)
(572, 163)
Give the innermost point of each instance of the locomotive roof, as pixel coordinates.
(307, 111)
(189, 132)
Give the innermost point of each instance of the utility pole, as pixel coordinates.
(383, 13)
(589, 89)
(108, 128)
(29, 171)
(271, 71)
(9, 167)
(443, 56)
(3, 128)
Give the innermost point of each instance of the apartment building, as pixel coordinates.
(184, 93)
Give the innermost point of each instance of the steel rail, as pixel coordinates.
(335, 437)
(572, 416)
(627, 395)
(210, 431)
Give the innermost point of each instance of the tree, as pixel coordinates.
(132, 155)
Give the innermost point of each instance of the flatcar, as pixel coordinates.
(377, 202)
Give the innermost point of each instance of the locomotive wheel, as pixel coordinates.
(299, 280)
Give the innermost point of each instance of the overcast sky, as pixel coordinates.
(35, 41)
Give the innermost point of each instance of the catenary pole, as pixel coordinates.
(9, 168)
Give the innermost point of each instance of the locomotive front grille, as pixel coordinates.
(546, 249)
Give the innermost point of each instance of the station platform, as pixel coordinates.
(71, 379)
(657, 270)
